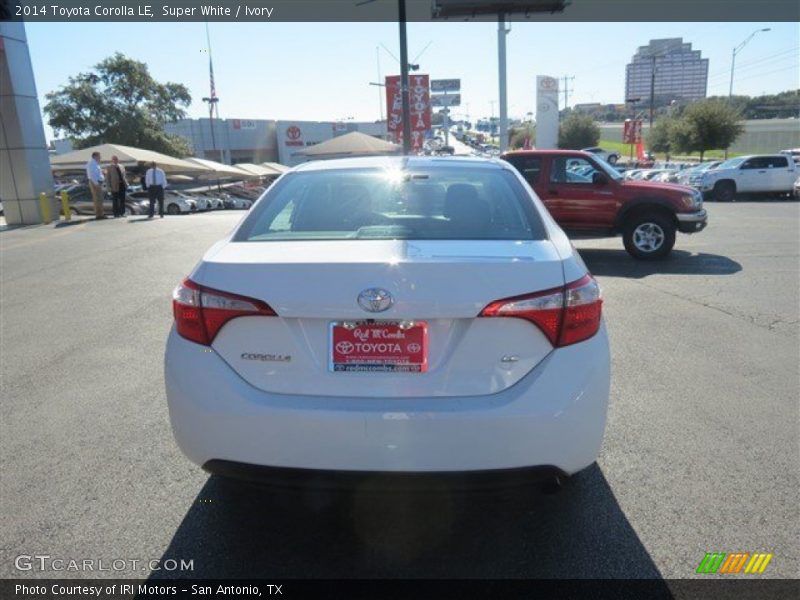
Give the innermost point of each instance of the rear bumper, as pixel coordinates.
(554, 418)
(692, 222)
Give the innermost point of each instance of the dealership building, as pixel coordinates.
(680, 72)
(259, 140)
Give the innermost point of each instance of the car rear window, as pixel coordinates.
(415, 204)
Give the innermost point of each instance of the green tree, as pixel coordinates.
(682, 137)
(707, 125)
(520, 133)
(660, 138)
(578, 131)
(119, 102)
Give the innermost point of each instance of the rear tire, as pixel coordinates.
(724, 191)
(173, 209)
(649, 236)
(612, 159)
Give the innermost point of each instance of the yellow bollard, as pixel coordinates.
(65, 206)
(44, 205)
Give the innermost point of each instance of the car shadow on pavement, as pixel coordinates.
(618, 263)
(238, 531)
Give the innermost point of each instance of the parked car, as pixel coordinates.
(653, 174)
(767, 173)
(609, 156)
(174, 204)
(81, 202)
(236, 203)
(647, 214)
(437, 355)
(213, 198)
(204, 203)
(633, 174)
(797, 188)
(693, 175)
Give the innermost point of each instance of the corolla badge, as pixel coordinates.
(375, 300)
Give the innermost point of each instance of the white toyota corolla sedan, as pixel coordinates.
(417, 316)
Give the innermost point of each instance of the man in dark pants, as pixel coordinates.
(156, 181)
(118, 185)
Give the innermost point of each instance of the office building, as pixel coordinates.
(681, 74)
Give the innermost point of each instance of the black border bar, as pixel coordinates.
(387, 589)
(185, 11)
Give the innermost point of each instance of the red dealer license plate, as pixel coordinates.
(379, 347)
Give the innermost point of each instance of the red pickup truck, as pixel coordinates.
(587, 196)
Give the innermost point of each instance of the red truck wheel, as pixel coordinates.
(649, 236)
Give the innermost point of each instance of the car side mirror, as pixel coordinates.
(599, 178)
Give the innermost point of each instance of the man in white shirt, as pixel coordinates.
(94, 175)
(156, 180)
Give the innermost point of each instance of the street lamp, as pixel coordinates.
(738, 49)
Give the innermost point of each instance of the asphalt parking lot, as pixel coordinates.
(701, 451)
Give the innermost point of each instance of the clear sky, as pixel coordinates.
(321, 71)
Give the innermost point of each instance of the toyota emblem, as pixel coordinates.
(375, 300)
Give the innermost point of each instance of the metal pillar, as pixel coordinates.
(501, 70)
(24, 161)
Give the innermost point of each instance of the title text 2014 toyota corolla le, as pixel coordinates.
(422, 316)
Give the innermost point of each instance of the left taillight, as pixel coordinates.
(565, 315)
(200, 312)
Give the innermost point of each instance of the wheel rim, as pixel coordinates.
(648, 237)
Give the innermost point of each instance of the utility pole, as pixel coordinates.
(566, 88)
(404, 91)
(380, 92)
(502, 32)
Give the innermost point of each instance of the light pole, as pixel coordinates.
(502, 32)
(404, 91)
(738, 49)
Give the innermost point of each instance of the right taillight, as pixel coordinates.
(200, 312)
(565, 315)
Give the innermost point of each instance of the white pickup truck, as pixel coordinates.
(761, 174)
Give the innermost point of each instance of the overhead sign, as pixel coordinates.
(445, 85)
(446, 100)
(546, 112)
(419, 98)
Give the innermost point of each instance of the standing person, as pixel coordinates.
(94, 174)
(156, 181)
(118, 184)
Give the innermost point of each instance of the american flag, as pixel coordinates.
(211, 77)
(212, 106)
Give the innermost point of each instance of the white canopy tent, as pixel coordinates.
(350, 144)
(258, 170)
(276, 166)
(128, 157)
(219, 170)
